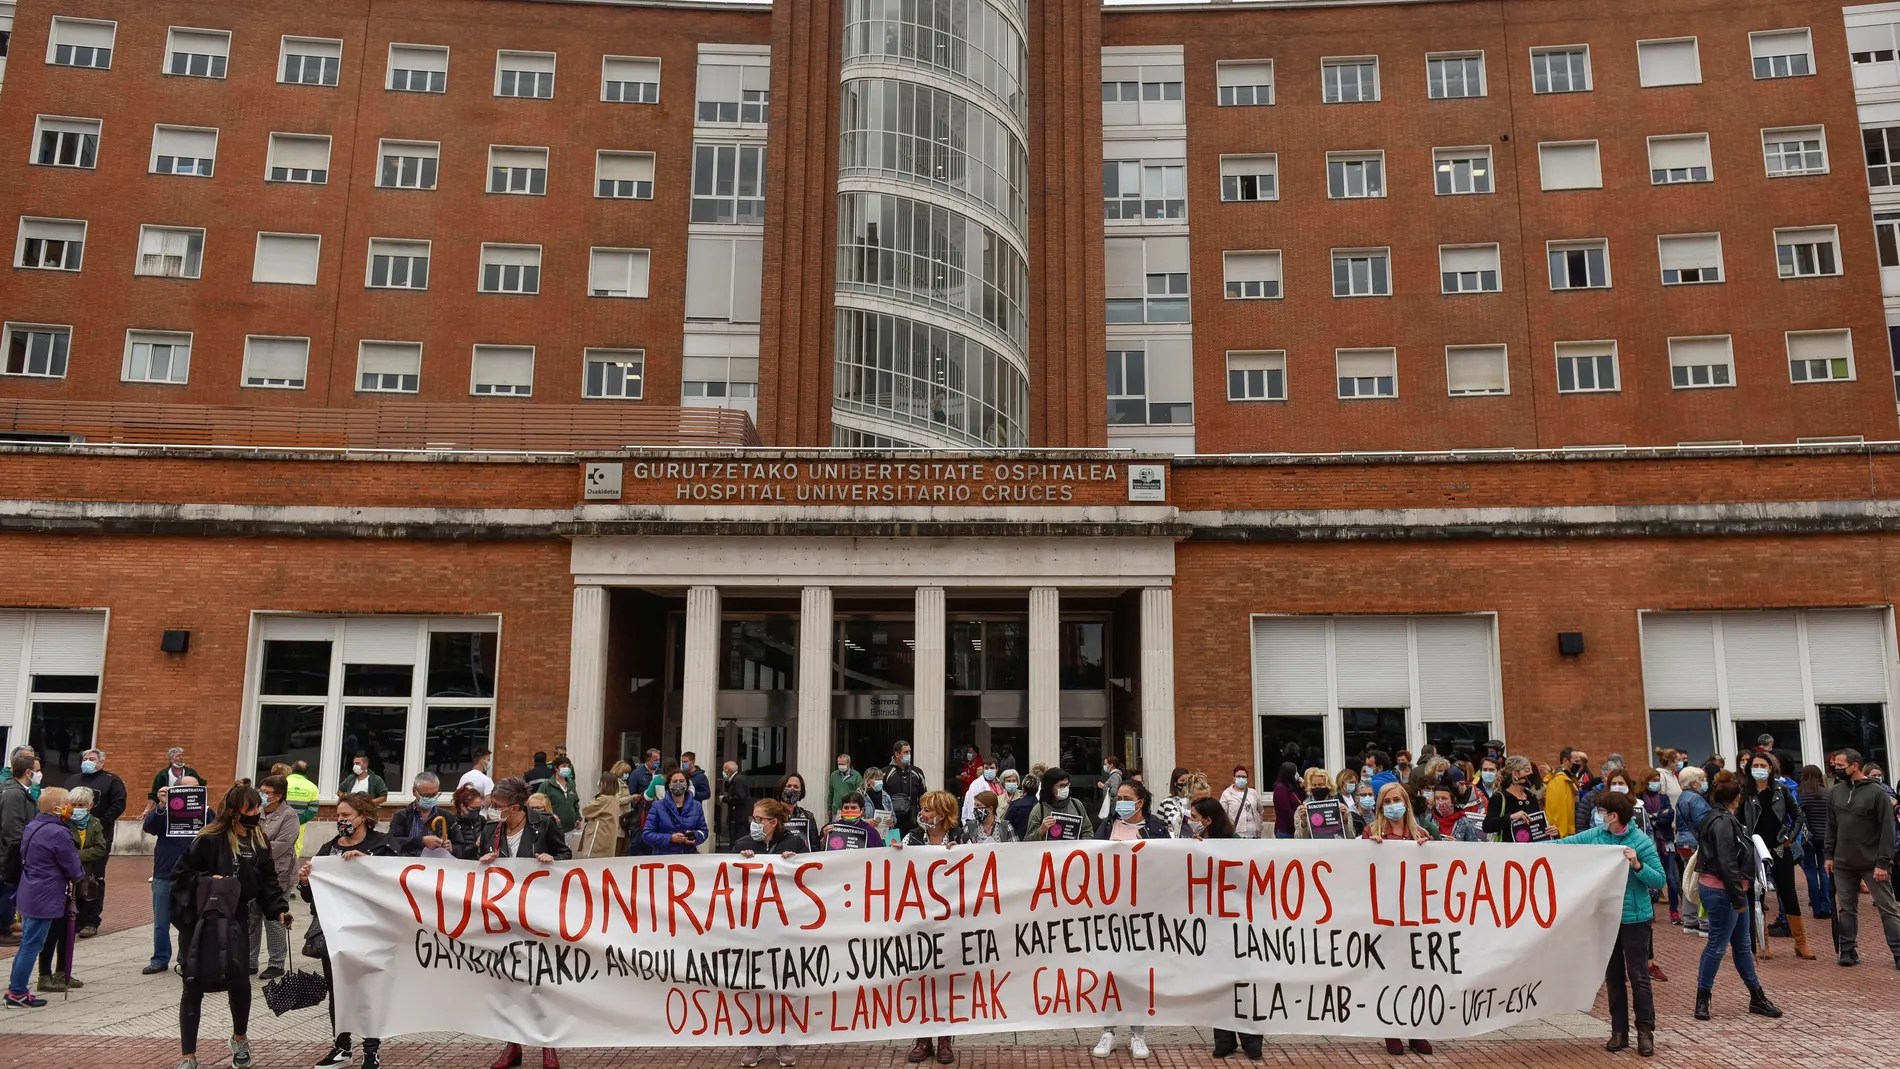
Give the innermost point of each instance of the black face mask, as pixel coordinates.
(250, 820)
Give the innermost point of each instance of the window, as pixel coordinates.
(728, 184)
(617, 273)
(1256, 376)
(1476, 370)
(1690, 259)
(1135, 190)
(81, 43)
(1355, 174)
(287, 258)
(299, 158)
(511, 269)
(66, 142)
(1454, 75)
(1127, 387)
(1244, 178)
(1870, 48)
(413, 693)
(51, 663)
(1245, 83)
(1142, 91)
(1820, 355)
(388, 366)
(1351, 80)
(1782, 53)
(724, 279)
(1807, 252)
(418, 68)
(733, 90)
(623, 175)
(197, 53)
(1361, 273)
(503, 371)
(276, 363)
(615, 373)
(37, 351)
(1147, 280)
(525, 74)
(1695, 363)
(309, 61)
(1671, 62)
(1569, 165)
(1883, 156)
(170, 251)
(1252, 275)
(50, 244)
(1468, 268)
(1679, 158)
(408, 164)
(1887, 239)
(629, 80)
(398, 265)
(1367, 372)
(1586, 367)
(518, 170)
(154, 356)
(1462, 170)
(1800, 150)
(1560, 70)
(184, 150)
(720, 370)
(1151, 383)
(1579, 265)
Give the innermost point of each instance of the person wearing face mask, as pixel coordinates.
(1588, 789)
(877, 802)
(676, 824)
(1173, 808)
(1019, 800)
(515, 831)
(1131, 822)
(936, 827)
(1392, 821)
(1206, 821)
(734, 805)
(1661, 810)
(564, 798)
(987, 779)
(17, 810)
(1770, 810)
(1243, 805)
(1726, 868)
(175, 770)
(108, 792)
(1056, 814)
(1668, 762)
(905, 784)
(1319, 789)
(844, 780)
(1860, 852)
(301, 795)
(987, 823)
(1112, 777)
(853, 829)
(766, 835)
(482, 760)
(279, 827)
(166, 851)
(1692, 806)
(600, 819)
(1487, 783)
(801, 822)
(231, 848)
(695, 775)
(1447, 818)
(640, 780)
(1365, 806)
(1628, 974)
(1561, 788)
(75, 808)
(356, 836)
(1508, 816)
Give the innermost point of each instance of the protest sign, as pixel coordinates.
(843, 836)
(186, 809)
(1536, 828)
(1437, 940)
(1324, 818)
(1067, 826)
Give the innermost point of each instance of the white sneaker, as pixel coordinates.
(786, 1056)
(751, 1056)
(1105, 1046)
(1138, 1045)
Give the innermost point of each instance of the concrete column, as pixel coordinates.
(1157, 682)
(587, 685)
(699, 705)
(813, 759)
(927, 734)
(1045, 683)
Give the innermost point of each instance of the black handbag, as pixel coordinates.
(295, 991)
(210, 955)
(314, 944)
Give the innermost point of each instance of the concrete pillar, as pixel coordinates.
(587, 686)
(814, 755)
(1045, 683)
(1157, 682)
(699, 704)
(927, 734)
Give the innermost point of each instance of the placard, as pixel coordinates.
(186, 810)
(842, 836)
(1535, 829)
(1067, 827)
(1324, 819)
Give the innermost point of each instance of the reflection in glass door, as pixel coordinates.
(1372, 729)
(1860, 726)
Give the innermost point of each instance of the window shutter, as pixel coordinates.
(1667, 62)
(1289, 666)
(379, 640)
(1253, 267)
(709, 278)
(748, 273)
(417, 58)
(498, 366)
(1120, 73)
(312, 46)
(1363, 364)
(1783, 43)
(84, 34)
(1571, 166)
(53, 229)
(1124, 268)
(298, 628)
(68, 643)
(200, 43)
(1171, 370)
(1847, 656)
(12, 648)
(276, 358)
(1477, 370)
(288, 258)
(1161, 72)
(1869, 38)
(718, 82)
(1260, 73)
(172, 141)
(1454, 667)
(1825, 345)
(626, 166)
(623, 69)
(1699, 250)
(1699, 351)
(1477, 258)
(1679, 661)
(1373, 657)
(511, 255)
(518, 157)
(1763, 658)
(311, 152)
(389, 358)
(1679, 152)
(536, 62)
(619, 269)
(1237, 165)
(1166, 255)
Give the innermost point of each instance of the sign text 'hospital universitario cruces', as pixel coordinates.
(835, 482)
(1324, 938)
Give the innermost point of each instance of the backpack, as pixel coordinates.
(633, 822)
(211, 955)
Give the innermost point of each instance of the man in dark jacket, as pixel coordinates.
(173, 773)
(1860, 850)
(521, 832)
(905, 784)
(735, 805)
(695, 775)
(108, 792)
(540, 773)
(412, 823)
(641, 777)
(164, 859)
(17, 808)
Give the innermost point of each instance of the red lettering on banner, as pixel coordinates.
(1046, 881)
(441, 910)
(521, 903)
(1294, 875)
(1134, 876)
(1320, 886)
(1076, 893)
(678, 901)
(1372, 878)
(876, 890)
(1224, 885)
(1481, 892)
(1204, 883)
(1542, 865)
(722, 892)
(1515, 872)
(1454, 897)
(987, 889)
(798, 878)
(489, 909)
(610, 892)
(909, 896)
(587, 897)
(930, 882)
(768, 895)
(1425, 893)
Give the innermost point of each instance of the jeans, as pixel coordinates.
(161, 921)
(1226, 1042)
(1847, 884)
(1629, 965)
(1672, 877)
(1814, 867)
(1729, 927)
(33, 932)
(262, 928)
(239, 996)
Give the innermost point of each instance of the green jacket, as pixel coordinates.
(1636, 907)
(837, 787)
(91, 841)
(565, 803)
(163, 780)
(377, 788)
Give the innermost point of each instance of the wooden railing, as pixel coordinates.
(393, 425)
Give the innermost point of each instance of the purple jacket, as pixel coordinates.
(48, 862)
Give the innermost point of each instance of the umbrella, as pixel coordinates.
(72, 940)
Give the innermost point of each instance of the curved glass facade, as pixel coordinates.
(933, 161)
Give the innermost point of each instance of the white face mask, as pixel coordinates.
(35, 781)
(1062, 793)
(359, 769)
(1619, 788)
(1240, 781)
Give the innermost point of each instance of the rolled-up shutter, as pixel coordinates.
(12, 648)
(298, 628)
(1679, 661)
(68, 643)
(1289, 658)
(1373, 661)
(379, 640)
(1454, 667)
(1690, 251)
(1847, 656)
(1762, 656)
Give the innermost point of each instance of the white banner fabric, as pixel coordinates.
(1438, 940)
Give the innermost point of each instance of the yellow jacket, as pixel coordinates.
(1560, 802)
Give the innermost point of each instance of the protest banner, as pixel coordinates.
(186, 809)
(1438, 940)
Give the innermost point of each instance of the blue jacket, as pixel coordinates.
(665, 818)
(1380, 779)
(1691, 807)
(1636, 908)
(169, 849)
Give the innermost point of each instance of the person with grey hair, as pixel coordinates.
(17, 809)
(107, 807)
(175, 770)
(76, 809)
(418, 826)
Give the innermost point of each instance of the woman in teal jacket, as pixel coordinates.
(1629, 959)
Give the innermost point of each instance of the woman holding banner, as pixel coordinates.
(517, 833)
(1058, 816)
(768, 835)
(1208, 821)
(1394, 821)
(937, 825)
(988, 826)
(1726, 866)
(1131, 823)
(677, 823)
(1614, 824)
(356, 836)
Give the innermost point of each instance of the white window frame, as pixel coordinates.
(1568, 244)
(1616, 363)
(600, 158)
(257, 258)
(1834, 240)
(136, 337)
(501, 58)
(1376, 394)
(391, 147)
(1384, 253)
(1707, 155)
(1695, 47)
(1721, 268)
(369, 262)
(1361, 157)
(1229, 283)
(750, 101)
(284, 53)
(1543, 171)
(488, 174)
(1852, 371)
(588, 359)
(1754, 60)
(16, 707)
(1726, 368)
(1497, 270)
(1589, 72)
(1504, 356)
(390, 68)
(1330, 63)
(244, 373)
(329, 158)
(53, 43)
(138, 254)
(1484, 77)
(1269, 159)
(639, 257)
(357, 381)
(40, 130)
(213, 71)
(1267, 357)
(1820, 135)
(152, 162)
(481, 280)
(52, 329)
(477, 388)
(1221, 87)
(1148, 197)
(659, 66)
(20, 240)
(1442, 157)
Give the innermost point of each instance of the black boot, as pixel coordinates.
(1619, 1040)
(1758, 1003)
(1701, 1003)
